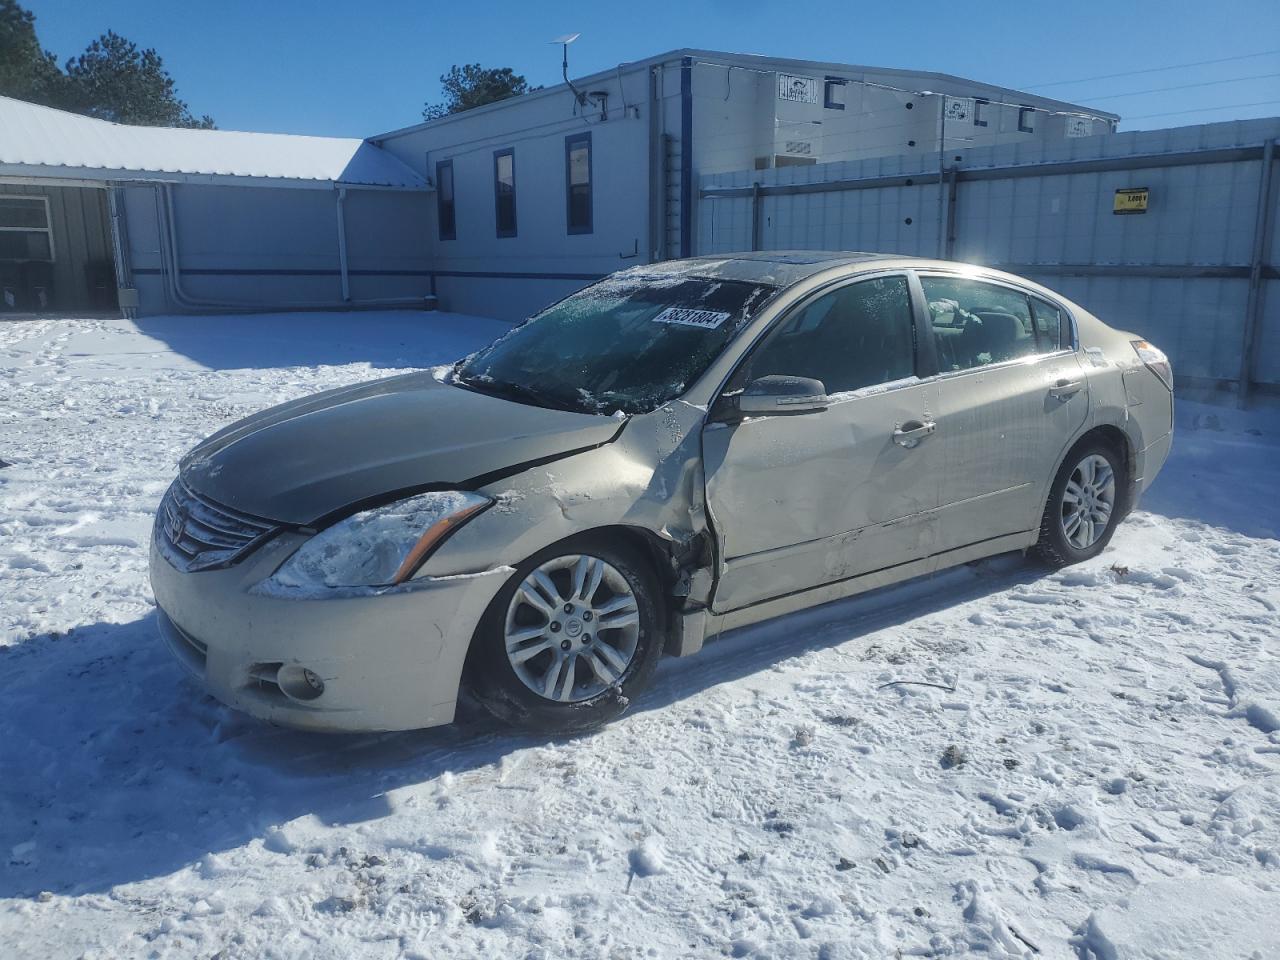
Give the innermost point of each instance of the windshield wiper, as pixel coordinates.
(517, 392)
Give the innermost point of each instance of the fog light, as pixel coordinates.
(299, 683)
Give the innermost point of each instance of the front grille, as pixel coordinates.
(197, 534)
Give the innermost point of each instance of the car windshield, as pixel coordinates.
(628, 343)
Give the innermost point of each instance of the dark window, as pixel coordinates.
(976, 323)
(857, 336)
(445, 212)
(24, 229)
(577, 172)
(980, 111)
(1050, 329)
(833, 93)
(1027, 119)
(627, 343)
(504, 191)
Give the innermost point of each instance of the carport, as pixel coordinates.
(99, 217)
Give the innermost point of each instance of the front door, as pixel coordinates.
(801, 500)
(1009, 396)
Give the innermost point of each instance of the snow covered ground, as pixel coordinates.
(1095, 773)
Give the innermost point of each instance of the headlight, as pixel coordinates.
(379, 547)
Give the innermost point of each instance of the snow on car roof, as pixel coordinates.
(779, 267)
(38, 138)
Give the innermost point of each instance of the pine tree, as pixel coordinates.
(114, 80)
(27, 72)
(472, 86)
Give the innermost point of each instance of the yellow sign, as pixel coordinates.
(1131, 200)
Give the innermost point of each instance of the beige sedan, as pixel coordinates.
(675, 451)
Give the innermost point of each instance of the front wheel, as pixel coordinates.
(570, 639)
(1084, 505)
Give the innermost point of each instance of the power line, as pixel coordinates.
(1172, 66)
(1185, 86)
(1225, 106)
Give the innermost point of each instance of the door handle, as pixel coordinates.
(912, 432)
(1065, 389)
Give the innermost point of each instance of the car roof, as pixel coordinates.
(777, 267)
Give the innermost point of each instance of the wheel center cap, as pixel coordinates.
(573, 628)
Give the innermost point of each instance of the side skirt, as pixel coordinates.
(711, 625)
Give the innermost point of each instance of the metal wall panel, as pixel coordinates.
(81, 237)
(1177, 273)
(265, 247)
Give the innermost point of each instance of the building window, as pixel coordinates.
(577, 171)
(980, 111)
(833, 93)
(24, 228)
(504, 191)
(1027, 119)
(446, 213)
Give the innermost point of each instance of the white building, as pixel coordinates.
(98, 217)
(539, 194)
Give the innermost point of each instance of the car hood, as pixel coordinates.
(304, 461)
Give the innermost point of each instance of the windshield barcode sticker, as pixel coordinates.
(709, 319)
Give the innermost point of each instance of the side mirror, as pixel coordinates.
(782, 396)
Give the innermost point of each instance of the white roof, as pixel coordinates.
(41, 141)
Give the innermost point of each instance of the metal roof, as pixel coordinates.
(851, 71)
(41, 141)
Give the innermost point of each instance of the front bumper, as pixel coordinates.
(388, 661)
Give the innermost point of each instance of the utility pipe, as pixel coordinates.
(169, 258)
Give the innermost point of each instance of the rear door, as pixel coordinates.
(1009, 396)
(802, 500)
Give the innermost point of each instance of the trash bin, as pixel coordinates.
(10, 285)
(37, 285)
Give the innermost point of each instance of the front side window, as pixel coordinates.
(1027, 119)
(24, 229)
(577, 159)
(854, 337)
(504, 191)
(445, 210)
(976, 324)
(628, 343)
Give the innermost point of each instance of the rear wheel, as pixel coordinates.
(1084, 506)
(570, 639)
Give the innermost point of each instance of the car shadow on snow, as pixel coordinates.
(386, 338)
(114, 768)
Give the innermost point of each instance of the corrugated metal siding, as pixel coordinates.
(81, 236)
(276, 246)
(1201, 216)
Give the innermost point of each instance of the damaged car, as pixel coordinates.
(678, 450)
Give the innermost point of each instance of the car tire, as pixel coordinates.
(600, 686)
(1080, 490)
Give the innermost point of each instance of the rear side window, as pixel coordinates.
(1050, 328)
(854, 337)
(976, 323)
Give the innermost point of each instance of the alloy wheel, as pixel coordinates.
(572, 628)
(1088, 501)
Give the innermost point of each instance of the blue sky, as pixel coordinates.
(344, 69)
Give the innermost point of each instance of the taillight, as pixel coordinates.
(1155, 360)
